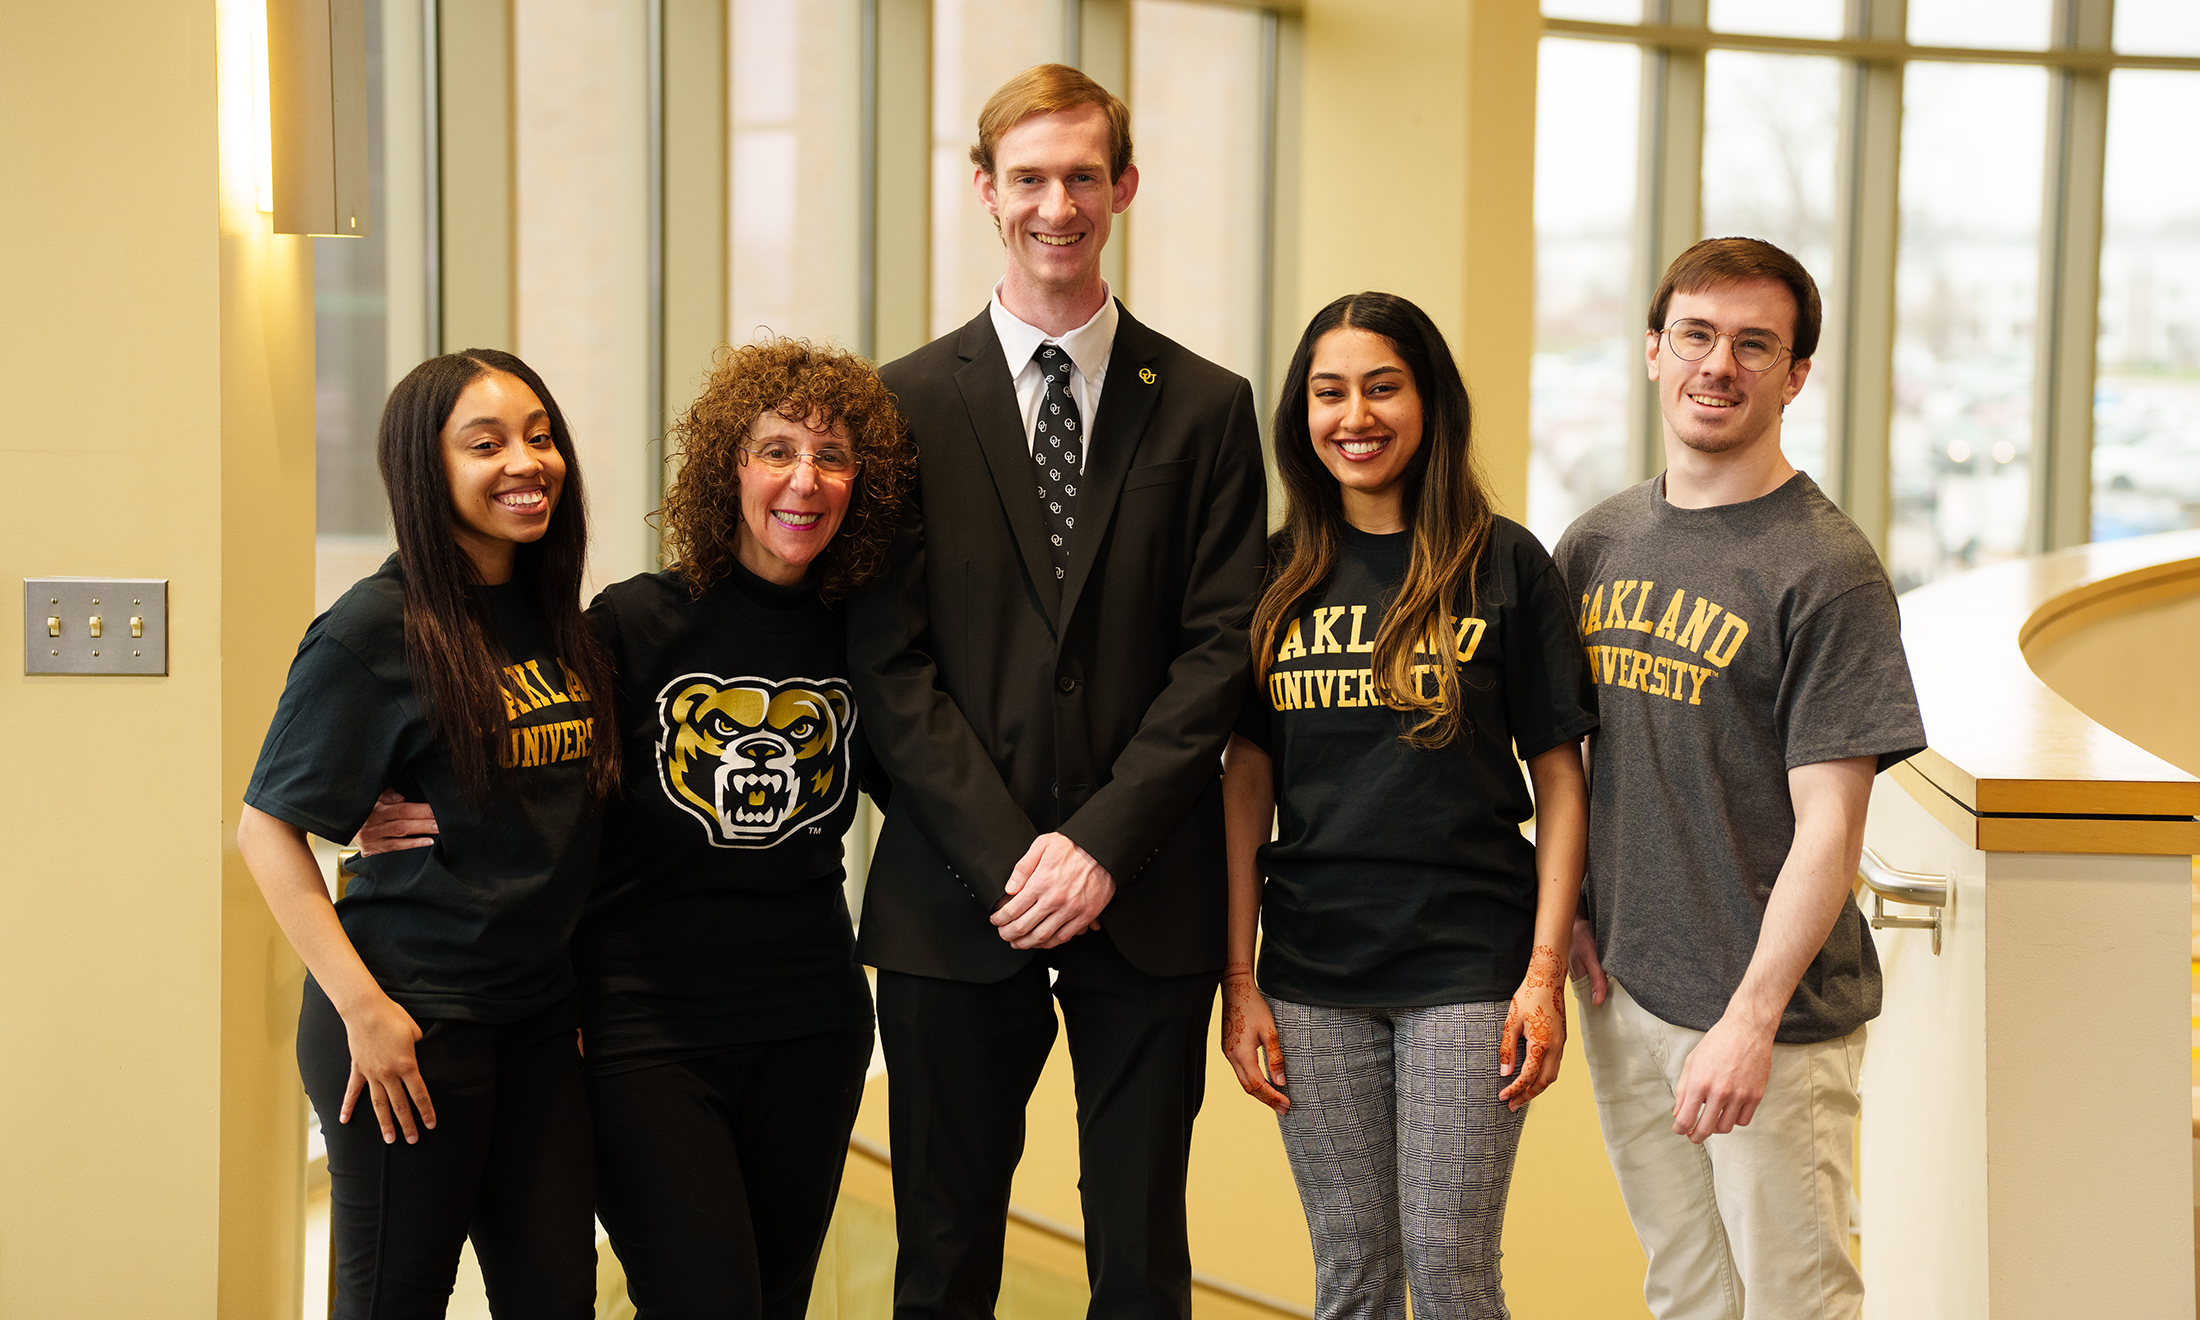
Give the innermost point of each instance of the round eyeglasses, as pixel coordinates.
(1693, 340)
(779, 456)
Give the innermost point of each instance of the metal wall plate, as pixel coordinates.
(62, 614)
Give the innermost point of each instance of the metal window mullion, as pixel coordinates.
(1668, 198)
(2069, 285)
(431, 119)
(867, 191)
(897, 176)
(1860, 291)
(1264, 366)
(653, 478)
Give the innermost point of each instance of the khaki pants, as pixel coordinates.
(1752, 1224)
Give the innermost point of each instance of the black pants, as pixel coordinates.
(716, 1177)
(963, 1059)
(508, 1164)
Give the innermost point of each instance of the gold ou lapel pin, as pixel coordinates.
(1146, 374)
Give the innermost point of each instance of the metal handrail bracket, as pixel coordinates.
(1910, 888)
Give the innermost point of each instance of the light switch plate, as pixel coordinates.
(57, 625)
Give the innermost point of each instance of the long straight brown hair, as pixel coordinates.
(1447, 508)
(447, 638)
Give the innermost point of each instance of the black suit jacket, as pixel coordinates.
(1005, 704)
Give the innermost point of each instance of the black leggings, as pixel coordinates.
(716, 1177)
(508, 1163)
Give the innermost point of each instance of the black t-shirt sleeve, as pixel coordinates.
(1548, 697)
(1845, 689)
(335, 744)
(1254, 714)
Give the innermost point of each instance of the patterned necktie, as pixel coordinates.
(1056, 445)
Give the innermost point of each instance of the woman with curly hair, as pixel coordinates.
(727, 1026)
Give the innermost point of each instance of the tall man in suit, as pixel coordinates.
(1048, 670)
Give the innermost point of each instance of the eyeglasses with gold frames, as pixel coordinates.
(1692, 341)
(834, 461)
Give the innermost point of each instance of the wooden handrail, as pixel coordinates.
(2013, 765)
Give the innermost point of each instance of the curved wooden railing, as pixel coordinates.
(2014, 766)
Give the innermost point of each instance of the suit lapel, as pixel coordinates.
(989, 395)
(1126, 400)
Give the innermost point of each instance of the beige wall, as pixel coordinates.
(1416, 177)
(156, 367)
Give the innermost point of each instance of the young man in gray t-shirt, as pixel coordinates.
(1750, 681)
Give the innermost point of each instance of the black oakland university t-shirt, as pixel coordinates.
(476, 927)
(717, 918)
(1398, 876)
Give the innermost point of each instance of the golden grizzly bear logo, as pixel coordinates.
(752, 759)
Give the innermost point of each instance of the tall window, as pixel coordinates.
(2146, 409)
(794, 68)
(1768, 147)
(976, 46)
(1946, 151)
(351, 372)
(1588, 328)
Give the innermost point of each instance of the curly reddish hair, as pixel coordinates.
(796, 379)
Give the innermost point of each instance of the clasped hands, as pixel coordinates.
(1054, 894)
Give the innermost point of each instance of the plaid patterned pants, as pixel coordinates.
(1402, 1153)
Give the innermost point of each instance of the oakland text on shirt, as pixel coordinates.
(1690, 622)
(527, 689)
(1316, 634)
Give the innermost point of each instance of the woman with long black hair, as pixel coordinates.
(440, 990)
(1408, 643)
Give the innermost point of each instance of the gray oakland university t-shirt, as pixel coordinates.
(1728, 645)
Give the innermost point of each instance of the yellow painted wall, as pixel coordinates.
(1416, 176)
(155, 420)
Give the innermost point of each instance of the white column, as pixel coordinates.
(2026, 1130)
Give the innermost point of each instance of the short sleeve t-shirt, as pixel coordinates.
(476, 927)
(1729, 645)
(718, 918)
(1398, 876)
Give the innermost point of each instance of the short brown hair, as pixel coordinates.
(1717, 261)
(794, 378)
(1043, 89)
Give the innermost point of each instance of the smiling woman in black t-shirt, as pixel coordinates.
(1408, 642)
(728, 1026)
(441, 989)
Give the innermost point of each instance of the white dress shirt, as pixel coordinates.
(1089, 347)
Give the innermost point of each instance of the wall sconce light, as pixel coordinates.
(314, 99)
(263, 173)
